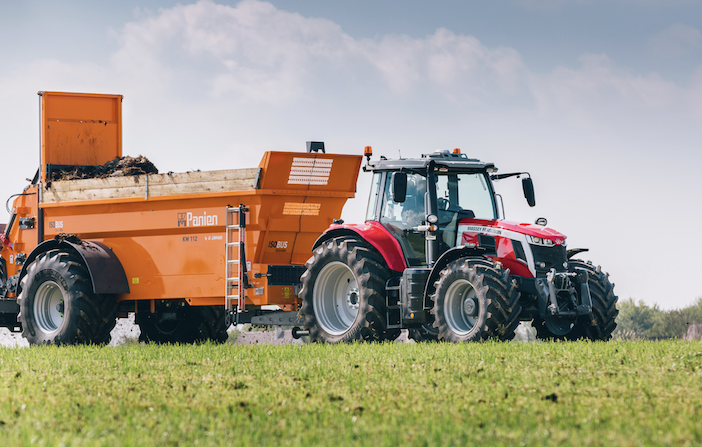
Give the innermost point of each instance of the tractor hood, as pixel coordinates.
(522, 228)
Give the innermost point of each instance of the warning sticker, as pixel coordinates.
(301, 209)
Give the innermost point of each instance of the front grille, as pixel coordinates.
(553, 257)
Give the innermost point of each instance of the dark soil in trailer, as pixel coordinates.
(119, 167)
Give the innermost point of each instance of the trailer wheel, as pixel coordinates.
(475, 301)
(210, 324)
(58, 305)
(343, 292)
(184, 325)
(601, 323)
(424, 333)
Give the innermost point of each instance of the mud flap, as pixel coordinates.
(106, 272)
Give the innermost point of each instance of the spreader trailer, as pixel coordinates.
(188, 253)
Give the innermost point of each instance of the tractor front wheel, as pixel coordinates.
(601, 323)
(475, 301)
(343, 293)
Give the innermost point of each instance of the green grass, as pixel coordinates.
(617, 393)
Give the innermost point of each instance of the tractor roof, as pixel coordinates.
(444, 158)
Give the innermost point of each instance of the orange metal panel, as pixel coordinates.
(173, 247)
(80, 129)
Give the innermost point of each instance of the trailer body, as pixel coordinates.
(169, 231)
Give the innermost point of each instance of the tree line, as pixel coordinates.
(638, 321)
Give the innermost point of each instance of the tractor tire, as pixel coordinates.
(343, 293)
(475, 300)
(601, 323)
(58, 305)
(424, 333)
(186, 325)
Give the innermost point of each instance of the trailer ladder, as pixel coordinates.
(235, 265)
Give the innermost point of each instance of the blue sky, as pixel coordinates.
(600, 100)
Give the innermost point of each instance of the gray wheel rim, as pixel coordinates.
(461, 297)
(48, 307)
(336, 298)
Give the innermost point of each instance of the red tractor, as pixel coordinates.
(434, 257)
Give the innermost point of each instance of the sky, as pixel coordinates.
(599, 100)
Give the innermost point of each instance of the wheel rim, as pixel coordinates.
(336, 298)
(49, 307)
(462, 307)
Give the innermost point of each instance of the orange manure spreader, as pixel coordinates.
(189, 253)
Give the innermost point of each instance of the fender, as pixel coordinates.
(376, 235)
(106, 272)
(451, 255)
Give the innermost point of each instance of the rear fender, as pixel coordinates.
(106, 272)
(376, 235)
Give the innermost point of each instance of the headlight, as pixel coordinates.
(540, 241)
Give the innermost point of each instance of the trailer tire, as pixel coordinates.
(601, 323)
(190, 325)
(424, 333)
(58, 305)
(475, 300)
(343, 292)
(210, 325)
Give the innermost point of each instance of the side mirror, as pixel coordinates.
(398, 186)
(528, 186)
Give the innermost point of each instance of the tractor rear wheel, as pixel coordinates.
(58, 305)
(343, 293)
(184, 325)
(475, 301)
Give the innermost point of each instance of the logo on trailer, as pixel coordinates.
(278, 245)
(188, 219)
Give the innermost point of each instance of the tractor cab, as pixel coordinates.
(421, 202)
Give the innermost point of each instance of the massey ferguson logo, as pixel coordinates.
(188, 219)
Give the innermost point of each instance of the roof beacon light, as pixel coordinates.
(457, 151)
(368, 152)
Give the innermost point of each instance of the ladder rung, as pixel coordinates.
(233, 210)
(233, 296)
(233, 279)
(233, 244)
(234, 227)
(233, 261)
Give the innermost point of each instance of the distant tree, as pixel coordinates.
(637, 320)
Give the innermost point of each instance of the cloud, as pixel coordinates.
(676, 41)
(599, 87)
(257, 53)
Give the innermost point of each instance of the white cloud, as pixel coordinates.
(600, 86)
(676, 41)
(256, 52)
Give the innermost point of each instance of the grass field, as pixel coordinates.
(617, 393)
